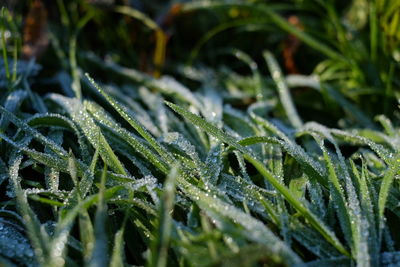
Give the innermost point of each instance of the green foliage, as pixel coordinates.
(216, 167)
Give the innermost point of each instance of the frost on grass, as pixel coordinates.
(14, 245)
(248, 183)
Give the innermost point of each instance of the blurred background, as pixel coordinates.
(352, 45)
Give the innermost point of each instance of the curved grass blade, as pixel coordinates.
(380, 150)
(117, 258)
(57, 120)
(253, 229)
(160, 244)
(93, 133)
(208, 127)
(12, 102)
(124, 136)
(298, 205)
(283, 90)
(272, 15)
(99, 257)
(46, 159)
(311, 167)
(387, 181)
(134, 123)
(38, 237)
(36, 134)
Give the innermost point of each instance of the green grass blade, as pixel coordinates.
(387, 181)
(36, 134)
(125, 137)
(134, 123)
(283, 90)
(117, 258)
(39, 238)
(46, 159)
(3, 41)
(159, 255)
(207, 127)
(311, 167)
(99, 257)
(212, 130)
(306, 38)
(12, 103)
(299, 206)
(93, 133)
(253, 229)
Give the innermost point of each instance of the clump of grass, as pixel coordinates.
(225, 171)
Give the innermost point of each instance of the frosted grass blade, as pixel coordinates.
(208, 127)
(38, 237)
(99, 257)
(313, 168)
(134, 123)
(298, 205)
(122, 136)
(36, 134)
(160, 244)
(12, 103)
(283, 90)
(254, 229)
(393, 169)
(117, 258)
(93, 133)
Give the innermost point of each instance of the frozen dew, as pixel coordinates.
(212, 107)
(15, 246)
(169, 85)
(213, 165)
(175, 138)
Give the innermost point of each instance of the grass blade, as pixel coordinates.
(134, 123)
(93, 133)
(283, 90)
(99, 256)
(160, 245)
(298, 205)
(253, 229)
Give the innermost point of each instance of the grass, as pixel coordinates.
(226, 159)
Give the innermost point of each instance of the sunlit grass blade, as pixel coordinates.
(91, 130)
(134, 123)
(253, 229)
(208, 127)
(313, 168)
(283, 90)
(298, 205)
(125, 136)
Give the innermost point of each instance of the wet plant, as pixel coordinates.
(210, 166)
